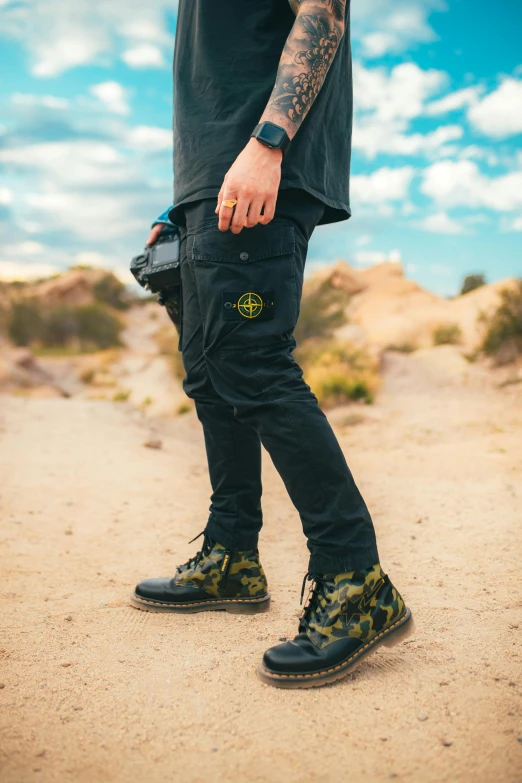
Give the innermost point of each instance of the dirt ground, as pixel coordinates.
(93, 691)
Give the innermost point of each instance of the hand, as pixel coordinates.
(253, 180)
(154, 234)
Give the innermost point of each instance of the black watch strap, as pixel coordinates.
(272, 136)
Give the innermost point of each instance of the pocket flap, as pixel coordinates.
(252, 244)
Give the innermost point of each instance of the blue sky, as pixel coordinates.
(85, 139)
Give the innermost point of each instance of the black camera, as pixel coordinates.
(157, 269)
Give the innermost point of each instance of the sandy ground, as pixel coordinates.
(92, 690)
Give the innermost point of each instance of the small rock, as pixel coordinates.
(447, 743)
(383, 739)
(69, 618)
(2, 685)
(41, 754)
(443, 683)
(153, 444)
(422, 716)
(282, 639)
(65, 665)
(513, 625)
(511, 714)
(519, 739)
(68, 532)
(77, 709)
(513, 684)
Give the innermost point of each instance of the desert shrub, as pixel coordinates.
(89, 327)
(401, 347)
(338, 373)
(110, 291)
(321, 312)
(471, 282)
(447, 334)
(503, 337)
(25, 322)
(122, 395)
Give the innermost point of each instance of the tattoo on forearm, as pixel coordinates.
(308, 54)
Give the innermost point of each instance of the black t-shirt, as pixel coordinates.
(226, 60)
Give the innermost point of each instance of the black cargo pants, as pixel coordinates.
(240, 303)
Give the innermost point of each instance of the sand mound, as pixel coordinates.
(395, 311)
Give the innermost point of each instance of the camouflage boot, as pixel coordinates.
(216, 578)
(347, 616)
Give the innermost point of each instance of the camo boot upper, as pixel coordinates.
(221, 572)
(356, 604)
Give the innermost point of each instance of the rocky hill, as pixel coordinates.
(385, 309)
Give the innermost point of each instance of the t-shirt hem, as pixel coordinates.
(336, 210)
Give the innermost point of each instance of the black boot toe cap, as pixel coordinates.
(301, 656)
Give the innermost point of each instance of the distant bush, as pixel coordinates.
(110, 291)
(471, 282)
(503, 338)
(338, 373)
(401, 347)
(447, 334)
(88, 327)
(321, 312)
(25, 322)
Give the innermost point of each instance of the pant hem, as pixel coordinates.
(342, 563)
(238, 542)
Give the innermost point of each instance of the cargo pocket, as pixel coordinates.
(246, 283)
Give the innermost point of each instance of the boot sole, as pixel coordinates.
(231, 605)
(389, 637)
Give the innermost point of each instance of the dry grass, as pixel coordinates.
(339, 373)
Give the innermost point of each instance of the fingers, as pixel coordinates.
(268, 211)
(220, 197)
(254, 213)
(154, 234)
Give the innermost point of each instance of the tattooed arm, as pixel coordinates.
(253, 180)
(306, 59)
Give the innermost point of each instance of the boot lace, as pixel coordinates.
(203, 552)
(321, 586)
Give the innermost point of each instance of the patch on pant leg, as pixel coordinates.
(248, 305)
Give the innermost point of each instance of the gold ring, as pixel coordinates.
(231, 202)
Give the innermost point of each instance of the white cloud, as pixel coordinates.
(147, 137)
(468, 96)
(400, 93)
(499, 114)
(91, 216)
(13, 270)
(382, 186)
(371, 257)
(59, 35)
(77, 163)
(113, 95)
(441, 223)
(461, 183)
(386, 102)
(363, 240)
(6, 196)
(372, 136)
(513, 225)
(144, 56)
(47, 101)
(385, 27)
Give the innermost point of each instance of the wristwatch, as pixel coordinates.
(272, 136)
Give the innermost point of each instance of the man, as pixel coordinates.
(263, 111)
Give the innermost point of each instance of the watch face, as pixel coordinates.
(271, 134)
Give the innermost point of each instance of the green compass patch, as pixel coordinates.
(248, 305)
